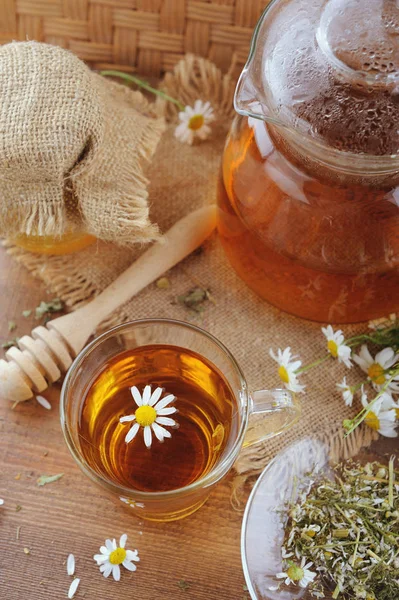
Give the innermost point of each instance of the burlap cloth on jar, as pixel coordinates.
(184, 178)
(73, 148)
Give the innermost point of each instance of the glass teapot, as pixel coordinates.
(309, 185)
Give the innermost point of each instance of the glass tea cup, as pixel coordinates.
(254, 416)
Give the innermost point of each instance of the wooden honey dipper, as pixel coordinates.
(43, 358)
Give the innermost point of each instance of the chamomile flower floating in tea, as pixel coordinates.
(206, 416)
(150, 415)
(377, 368)
(112, 556)
(288, 369)
(298, 574)
(194, 122)
(336, 345)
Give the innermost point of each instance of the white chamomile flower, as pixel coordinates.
(336, 345)
(112, 556)
(347, 392)
(194, 122)
(376, 368)
(382, 417)
(131, 503)
(288, 369)
(151, 414)
(296, 574)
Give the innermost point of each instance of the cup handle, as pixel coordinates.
(271, 413)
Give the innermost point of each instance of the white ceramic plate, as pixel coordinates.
(262, 532)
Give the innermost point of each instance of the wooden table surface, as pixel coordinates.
(73, 515)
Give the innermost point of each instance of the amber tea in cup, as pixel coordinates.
(204, 417)
(156, 412)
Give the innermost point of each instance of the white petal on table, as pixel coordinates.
(71, 564)
(106, 571)
(116, 572)
(129, 565)
(109, 546)
(132, 555)
(73, 587)
(43, 402)
(100, 558)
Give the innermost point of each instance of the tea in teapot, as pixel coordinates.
(308, 191)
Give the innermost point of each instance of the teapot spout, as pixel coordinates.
(246, 97)
(249, 100)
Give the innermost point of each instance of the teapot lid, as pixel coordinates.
(328, 69)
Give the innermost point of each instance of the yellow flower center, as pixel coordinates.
(282, 371)
(196, 122)
(372, 420)
(376, 373)
(295, 573)
(397, 413)
(145, 415)
(117, 556)
(310, 533)
(332, 348)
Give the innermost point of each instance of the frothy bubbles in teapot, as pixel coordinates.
(333, 75)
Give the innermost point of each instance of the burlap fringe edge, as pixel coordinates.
(133, 207)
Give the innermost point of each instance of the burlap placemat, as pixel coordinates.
(183, 178)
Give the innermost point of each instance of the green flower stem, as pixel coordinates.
(357, 386)
(336, 592)
(387, 336)
(142, 84)
(316, 363)
(355, 549)
(391, 479)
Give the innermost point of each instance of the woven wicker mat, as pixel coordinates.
(183, 178)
